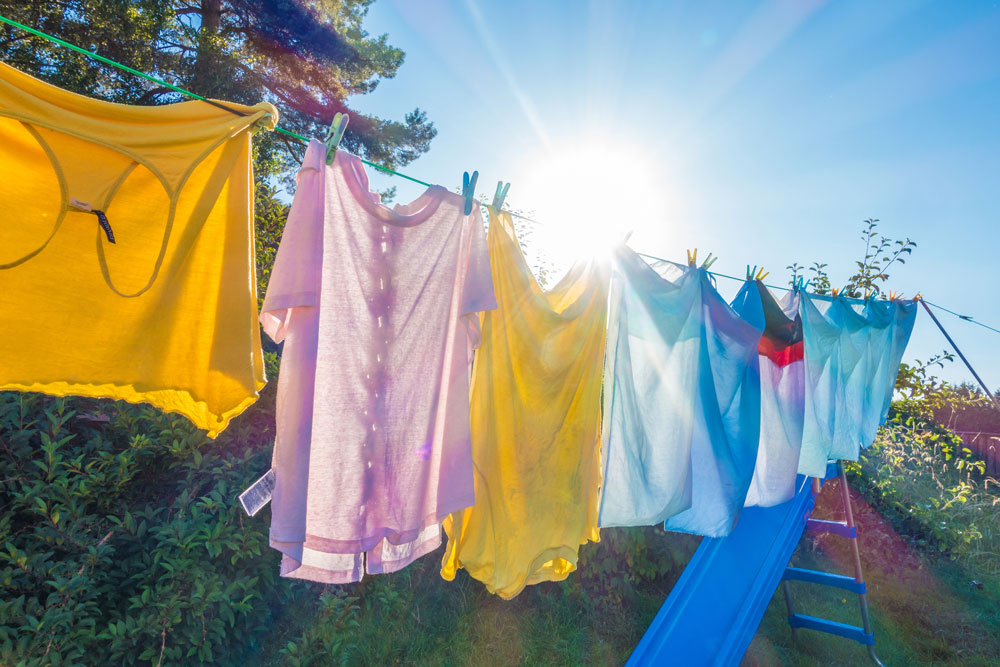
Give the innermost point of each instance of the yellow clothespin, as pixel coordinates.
(692, 257)
(895, 296)
(835, 292)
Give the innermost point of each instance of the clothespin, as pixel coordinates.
(800, 283)
(500, 195)
(918, 297)
(755, 274)
(709, 261)
(835, 292)
(895, 296)
(469, 189)
(334, 135)
(751, 272)
(692, 257)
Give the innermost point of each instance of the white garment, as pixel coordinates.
(378, 310)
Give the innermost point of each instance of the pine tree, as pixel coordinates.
(308, 57)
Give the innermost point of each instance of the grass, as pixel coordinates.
(415, 617)
(924, 608)
(929, 527)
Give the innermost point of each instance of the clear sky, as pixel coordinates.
(764, 132)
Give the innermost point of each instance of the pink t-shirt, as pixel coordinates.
(378, 310)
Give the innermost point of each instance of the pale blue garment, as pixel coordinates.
(904, 317)
(727, 415)
(881, 315)
(781, 393)
(861, 336)
(852, 352)
(651, 372)
(830, 359)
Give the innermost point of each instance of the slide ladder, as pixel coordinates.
(714, 609)
(849, 530)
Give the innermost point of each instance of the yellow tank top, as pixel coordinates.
(167, 312)
(535, 418)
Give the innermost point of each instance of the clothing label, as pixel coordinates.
(258, 494)
(82, 205)
(102, 220)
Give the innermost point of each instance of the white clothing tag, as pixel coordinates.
(258, 494)
(82, 205)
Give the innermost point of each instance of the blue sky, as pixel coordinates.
(764, 132)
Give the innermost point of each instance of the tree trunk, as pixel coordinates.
(211, 16)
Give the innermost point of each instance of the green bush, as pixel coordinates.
(120, 537)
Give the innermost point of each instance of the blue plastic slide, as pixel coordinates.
(715, 607)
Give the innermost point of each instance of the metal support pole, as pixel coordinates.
(862, 597)
(791, 609)
(989, 394)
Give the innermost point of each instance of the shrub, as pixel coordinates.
(120, 537)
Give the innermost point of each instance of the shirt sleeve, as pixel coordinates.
(477, 293)
(295, 276)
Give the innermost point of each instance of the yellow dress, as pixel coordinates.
(535, 418)
(167, 312)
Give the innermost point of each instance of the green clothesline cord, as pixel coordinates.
(178, 89)
(161, 82)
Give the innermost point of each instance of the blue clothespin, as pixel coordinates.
(334, 135)
(469, 189)
(500, 195)
(751, 272)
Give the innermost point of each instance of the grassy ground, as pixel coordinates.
(415, 617)
(924, 609)
(930, 603)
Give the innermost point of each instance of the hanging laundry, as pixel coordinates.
(683, 419)
(651, 380)
(727, 414)
(126, 260)
(536, 405)
(782, 386)
(852, 352)
(377, 308)
(904, 317)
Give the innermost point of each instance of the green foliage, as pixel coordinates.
(924, 477)
(119, 535)
(881, 252)
(819, 281)
(872, 271)
(269, 222)
(308, 58)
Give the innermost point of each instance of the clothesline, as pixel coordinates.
(384, 169)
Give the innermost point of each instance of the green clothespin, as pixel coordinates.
(333, 137)
(500, 195)
(751, 272)
(469, 189)
(709, 261)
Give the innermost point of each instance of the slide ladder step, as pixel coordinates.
(825, 579)
(835, 527)
(833, 628)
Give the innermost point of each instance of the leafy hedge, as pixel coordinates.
(119, 535)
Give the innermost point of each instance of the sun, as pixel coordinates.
(588, 195)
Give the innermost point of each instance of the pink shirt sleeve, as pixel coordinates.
(295, 277)
(477, 291)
